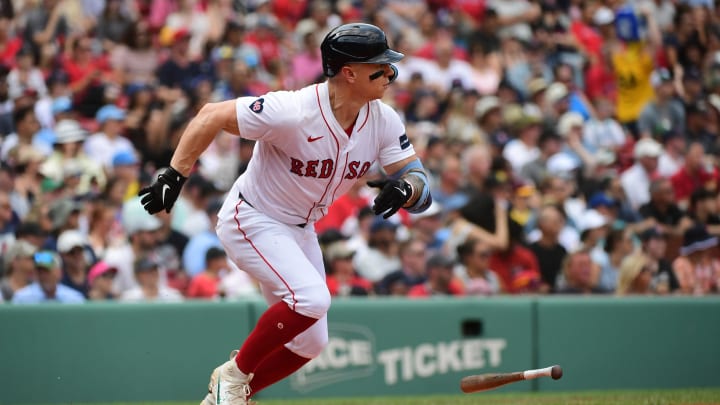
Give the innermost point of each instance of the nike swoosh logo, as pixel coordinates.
(402, 191)
(165, 189)
(311, 139)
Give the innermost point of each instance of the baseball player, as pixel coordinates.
(312, 145)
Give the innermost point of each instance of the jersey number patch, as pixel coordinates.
(257, 105)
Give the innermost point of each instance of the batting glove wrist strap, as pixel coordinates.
(393, 195)
(163, 192)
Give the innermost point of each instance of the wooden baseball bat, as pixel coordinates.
(484, 382)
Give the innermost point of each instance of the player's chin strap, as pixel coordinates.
(381, 72)
(414, 174)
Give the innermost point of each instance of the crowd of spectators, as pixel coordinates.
(572, 145)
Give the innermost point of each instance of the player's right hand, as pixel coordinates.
(163, 192)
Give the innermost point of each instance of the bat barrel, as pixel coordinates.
(482, 382)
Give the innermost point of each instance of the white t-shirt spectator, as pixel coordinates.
(165, 294)
(606, 134)
(636, 184)
(102, 148)
(519, 154)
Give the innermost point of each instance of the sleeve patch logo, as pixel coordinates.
(404, 141)
(257, 105)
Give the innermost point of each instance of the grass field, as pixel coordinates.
(654, 397)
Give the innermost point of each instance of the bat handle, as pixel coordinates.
(541, 372)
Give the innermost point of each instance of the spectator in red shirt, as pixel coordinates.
(517, 267)
(265, 38)
(342, 279)
(87, 73)
(440, 279)
(9, 45)
(205, 284)
(693, 175)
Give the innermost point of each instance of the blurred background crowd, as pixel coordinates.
(572, 145)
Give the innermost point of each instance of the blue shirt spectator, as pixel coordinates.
(194, 253)
(47, 288)
(34, 294)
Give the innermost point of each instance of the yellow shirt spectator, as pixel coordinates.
(633, 65)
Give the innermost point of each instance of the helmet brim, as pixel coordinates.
(389, 56)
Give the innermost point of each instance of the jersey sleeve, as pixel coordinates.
(394, 142)
(266, 117)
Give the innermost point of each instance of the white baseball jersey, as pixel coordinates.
(304, 159)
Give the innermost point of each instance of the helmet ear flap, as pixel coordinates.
(395, 73)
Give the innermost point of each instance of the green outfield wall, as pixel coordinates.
(139, 352)
(638, 342)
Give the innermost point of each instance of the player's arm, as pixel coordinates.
(200, 131)
(407, 187)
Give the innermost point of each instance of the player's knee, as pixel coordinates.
(314, 301)
(311, 343)
(318, 344)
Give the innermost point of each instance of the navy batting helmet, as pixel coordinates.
(355, 43)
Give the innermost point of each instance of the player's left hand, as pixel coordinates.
(393, 195)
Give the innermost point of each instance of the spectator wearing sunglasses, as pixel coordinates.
(47, 287)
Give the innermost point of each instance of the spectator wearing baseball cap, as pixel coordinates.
(697, 268)
(149, 287)
(526, 124)
(593, 228)
(100, 280)
(142, 240)
(664, 113)
(108, 141)
(17, 268)
(606, 206)
(47, 288)
(342, 279)
(636, 180)
(440, 281)
(126, 167)
(488, 116)
(76, 257)
(64, 213)
(68, 151)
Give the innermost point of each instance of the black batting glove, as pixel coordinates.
(163, 192)
(393, 195)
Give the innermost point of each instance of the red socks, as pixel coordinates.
(277, 326)
(278, 365)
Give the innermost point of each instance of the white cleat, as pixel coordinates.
(228, 385)
(210, 397)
